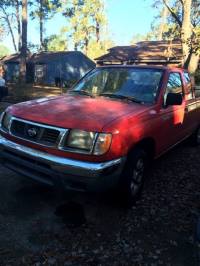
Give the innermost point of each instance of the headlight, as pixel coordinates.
(6, 119)
(103, 143)
(80, 139)
(88, 142)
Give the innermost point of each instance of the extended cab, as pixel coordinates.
(104, 132)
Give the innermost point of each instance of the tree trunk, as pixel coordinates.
(193, 63)
(97, 32)
(186, 31)
(75, 42)
(86, 45)
(18, 25)
(41, 34)
(24, 42)
(41, 18)
(75, 46)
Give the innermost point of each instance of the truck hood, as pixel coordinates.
(75, 111)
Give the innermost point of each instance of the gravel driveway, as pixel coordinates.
(39, 226)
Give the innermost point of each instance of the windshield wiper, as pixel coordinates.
(82, 92)
(121, 97)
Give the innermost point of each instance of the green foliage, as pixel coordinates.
(56, 43)
(87, 22)
(32, 47)
(173, 20)
(3, 50)
(96, 49)
(44, 9)
(142, 37)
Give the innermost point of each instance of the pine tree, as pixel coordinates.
(87, 23)
(43, 10)
(24, 41)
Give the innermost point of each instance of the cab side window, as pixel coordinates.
(174, 85)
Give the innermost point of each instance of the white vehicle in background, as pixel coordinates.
(3, 88)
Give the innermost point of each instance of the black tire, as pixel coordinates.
(196, 137)
(133, 176)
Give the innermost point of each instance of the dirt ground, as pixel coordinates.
(39, 226)
(19, 93)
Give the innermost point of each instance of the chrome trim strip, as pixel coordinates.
(61, 164)
(37, 124)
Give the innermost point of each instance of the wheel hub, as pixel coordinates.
(137, 177)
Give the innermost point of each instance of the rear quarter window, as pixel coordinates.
(174, 84)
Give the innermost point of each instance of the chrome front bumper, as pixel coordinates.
(54, 170)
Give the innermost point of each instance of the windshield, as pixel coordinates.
(137, 84)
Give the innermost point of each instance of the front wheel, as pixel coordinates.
(133, 176)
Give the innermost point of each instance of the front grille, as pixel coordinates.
(37, 133)
(21, 129)
(18, 128)
(50, 135)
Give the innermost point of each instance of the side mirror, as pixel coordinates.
(174, 99)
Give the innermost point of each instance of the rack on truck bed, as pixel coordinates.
(144, 53)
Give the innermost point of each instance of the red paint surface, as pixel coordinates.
(128, 122)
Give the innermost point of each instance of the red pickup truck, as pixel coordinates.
(104, 132)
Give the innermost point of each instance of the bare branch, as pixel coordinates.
(173, 13)
(10, 27)
(181, 2)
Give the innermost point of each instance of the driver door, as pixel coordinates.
(172, 117)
